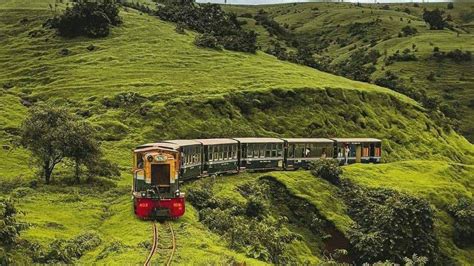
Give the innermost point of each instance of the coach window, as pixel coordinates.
(274, 150)
(249, 151)
(209, 153)
(268, 150)
(291, 150)
(299, 150)
(261, 150)
(280, 150)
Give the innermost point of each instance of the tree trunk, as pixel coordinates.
(78, 180)
(46, 172)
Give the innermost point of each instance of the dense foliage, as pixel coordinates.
(211, 20)
(389, 225)
(328, 169)
(53, 134)
(360, 65)
(435, 19)
(9, 229)
(87, 18)
(65, 251)
(245, 227)
(463, 214)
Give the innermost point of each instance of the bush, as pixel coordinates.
(207, 41)
(9, 227)
(210, 20)
(328, 169)
(406, 55)
(463, 214)
(435, 19)
(407, 31)
(84, 18)
(390, 225)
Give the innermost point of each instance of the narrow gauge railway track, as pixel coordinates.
(173, 244)
(154, 246)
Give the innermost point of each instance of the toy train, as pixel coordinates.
(158, 168)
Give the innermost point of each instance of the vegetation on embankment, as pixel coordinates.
(146, 82)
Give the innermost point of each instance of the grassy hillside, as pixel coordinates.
(337, 31)
(146, 82)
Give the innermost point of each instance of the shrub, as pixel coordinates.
(9, 227)
(463, 214)
(390, 225)
(84, 18)
(407, 31)
(435, 19)
(406, 55)
(210, 20)
(328, 169)
(450, 6)
(207, 41)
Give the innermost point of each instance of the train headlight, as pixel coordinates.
(177, 193)
(149, 158)
(143, 194)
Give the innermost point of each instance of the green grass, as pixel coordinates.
(184, 69)
(189, 93)
(319, 193)
(441, 183)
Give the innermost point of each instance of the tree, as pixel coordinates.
(87, 18)
(434, 18)
(450, 6)
(83, 148)
(46, 133)
(53, 134)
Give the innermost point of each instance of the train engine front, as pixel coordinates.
(156, 192)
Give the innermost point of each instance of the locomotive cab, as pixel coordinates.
(155, 183)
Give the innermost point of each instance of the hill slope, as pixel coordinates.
(335, 32)
(146, 82)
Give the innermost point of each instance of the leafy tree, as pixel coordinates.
(450, 6)
(53, 134)
(46, 133)
(87, 18)
(328, 169)
(434, 18)
(83, 148)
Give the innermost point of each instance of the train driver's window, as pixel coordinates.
(140, 161)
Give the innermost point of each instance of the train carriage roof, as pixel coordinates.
(154, 146)
(216, 141)
(308, 140)
(183, 142)
(356, 140)
(259, 140)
